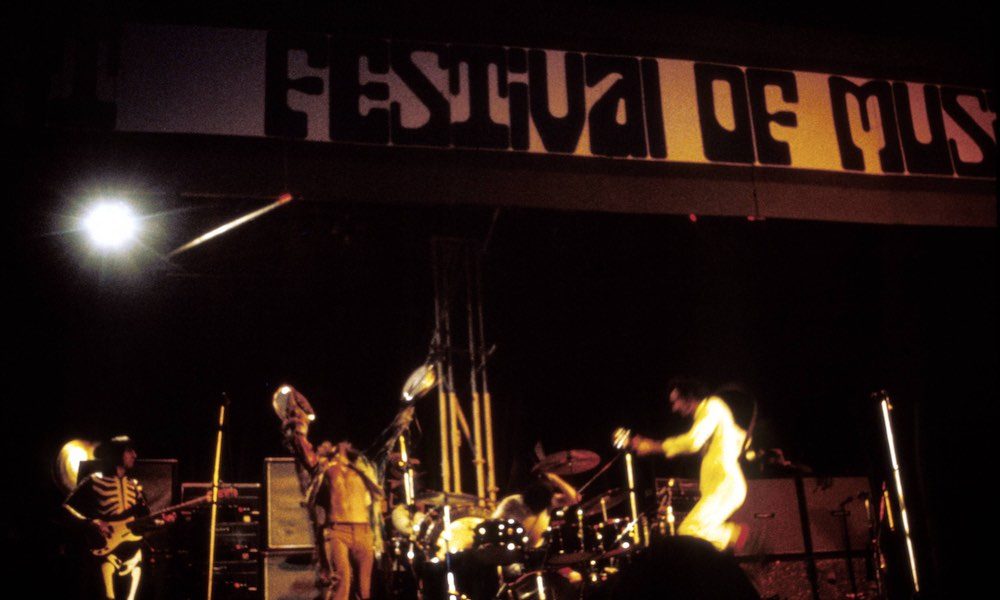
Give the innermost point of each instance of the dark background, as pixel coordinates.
(591, 313)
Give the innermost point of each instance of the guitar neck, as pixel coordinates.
(186, 504)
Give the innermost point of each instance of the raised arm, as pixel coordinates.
(566, 494)
(706, 419)
(303, 450)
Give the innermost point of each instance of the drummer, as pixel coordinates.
(532, 508)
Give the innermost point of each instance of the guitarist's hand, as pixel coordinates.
(102, 527)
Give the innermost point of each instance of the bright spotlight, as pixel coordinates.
(67, 465)
(111, 224)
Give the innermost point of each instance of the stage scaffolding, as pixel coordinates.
(459, 346)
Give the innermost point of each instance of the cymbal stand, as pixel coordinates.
(667, 510)
(632, 499)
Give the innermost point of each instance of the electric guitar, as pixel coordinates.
(126, 529)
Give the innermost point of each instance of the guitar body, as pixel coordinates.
(121, 533)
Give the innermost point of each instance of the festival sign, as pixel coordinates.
(321, 88)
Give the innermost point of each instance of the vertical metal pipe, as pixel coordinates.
(477, 418)
(900, 499)
(455, 437)
(491, 482)
(445, 437)
(215, 500)
(404, 456)
(456, 444)
(633, 501)
(438, 365)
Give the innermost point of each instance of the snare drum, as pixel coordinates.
(499, 542)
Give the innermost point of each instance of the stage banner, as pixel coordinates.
(320, 88)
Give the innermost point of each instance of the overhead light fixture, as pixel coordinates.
(110, 224)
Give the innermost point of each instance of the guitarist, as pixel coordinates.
(111, 495)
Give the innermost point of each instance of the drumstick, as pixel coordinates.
(600, 472)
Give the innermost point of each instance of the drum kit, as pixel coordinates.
(448, 542)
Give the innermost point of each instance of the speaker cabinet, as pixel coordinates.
(288, 523)
(157, 476)
(771, 510)
(289, 575)
(837, 515)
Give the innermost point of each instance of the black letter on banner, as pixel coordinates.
(279, 119)
(851, 157)
(769, 150)
(654, 108)
(932, 157)
(517, 62)
(559, 134)
(479, 131)
(608, 137)
(435, 131)
(346, 121)
(987, 167)
(721, 144)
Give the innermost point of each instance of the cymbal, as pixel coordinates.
(442, 498)
(612, 498)
(568, 462)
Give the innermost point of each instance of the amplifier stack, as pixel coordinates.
(237, 542)
(288, 562)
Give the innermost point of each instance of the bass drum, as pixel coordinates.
(458, 537)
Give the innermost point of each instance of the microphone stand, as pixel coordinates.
(215, 495)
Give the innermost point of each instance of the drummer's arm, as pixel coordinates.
(566, 494)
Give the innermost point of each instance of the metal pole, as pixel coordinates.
(438, 365)
(477, 418)
(633, 501)
(491, 482)
(215, 497)
(408, 471)
(455, 436)
(883, 398)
